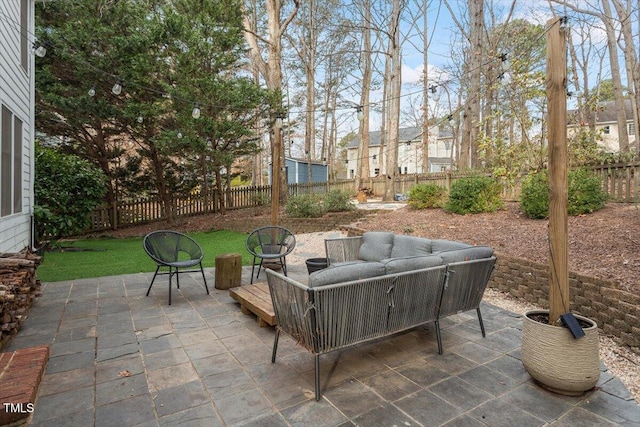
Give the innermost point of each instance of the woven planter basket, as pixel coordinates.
(555, 359)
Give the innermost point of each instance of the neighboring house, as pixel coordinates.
(410, 152)
(298, 171)
(607, 125)
(17, 98)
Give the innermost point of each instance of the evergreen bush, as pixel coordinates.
(305, 206)
(426, 196)
(474, 194)
(338, 201)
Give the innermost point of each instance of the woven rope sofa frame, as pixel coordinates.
(271, 244)
(332, 317)
(174, 250)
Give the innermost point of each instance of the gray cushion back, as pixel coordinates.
(447, 245)
(399, 265)
(376, 245)
(474, 252)
(404, 246)
(346, 272)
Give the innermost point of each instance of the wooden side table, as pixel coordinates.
(228, 271)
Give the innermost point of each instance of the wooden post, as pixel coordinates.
(228, 271)
(558, 165)
(276, 169)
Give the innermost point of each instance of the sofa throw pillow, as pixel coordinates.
(376, 245)
(345, 272)
(404, 246)
(468, 254)
(447, 245)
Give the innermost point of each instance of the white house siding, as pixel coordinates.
(17, 95)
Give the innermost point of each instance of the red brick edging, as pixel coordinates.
(20, 375)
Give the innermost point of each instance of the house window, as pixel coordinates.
(10, 163)
(376, 171)
(606, 130)
(631, 129)
(352, 173)
(24, 37)
(406, 170)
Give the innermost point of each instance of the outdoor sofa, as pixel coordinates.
(376, 285)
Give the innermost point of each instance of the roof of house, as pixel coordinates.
(606, 112)
(408, 134)
(300, 160)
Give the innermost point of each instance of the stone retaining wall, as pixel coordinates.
(330, 221)
(616, 311)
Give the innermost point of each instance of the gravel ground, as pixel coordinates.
(622, 362)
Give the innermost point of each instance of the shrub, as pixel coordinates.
(475, 194)
(585, 194)
(426, 196)
(338, 201)
(305, 206)
(67, 189)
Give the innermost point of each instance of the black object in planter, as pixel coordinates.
(315, 264)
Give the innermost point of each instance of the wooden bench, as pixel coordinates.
(255, 299)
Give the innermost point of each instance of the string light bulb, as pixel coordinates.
(92, 91)
(195, 113)
(39, 50)
(179, 135)
(117, 88)
(140, 119)
(279, 120)
(359, 112)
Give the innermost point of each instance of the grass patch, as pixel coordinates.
(110, 256)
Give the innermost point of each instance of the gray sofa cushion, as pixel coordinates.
(346, 272)
(447, 245)
(405, 246)
(399, 265)
(376, 245)
(468, 254)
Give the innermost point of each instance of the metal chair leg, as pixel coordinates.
(152, 280)
(438, 337)
(275, 346)
(317, 377)
(204, 278)
(253, 267)
(481, 323)
(170, 277)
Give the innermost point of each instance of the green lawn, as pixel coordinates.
(108, 257)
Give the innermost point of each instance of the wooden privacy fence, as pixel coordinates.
(621, 182)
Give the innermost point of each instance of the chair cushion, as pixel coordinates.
(376, 245)
(467, 254)
(447, 245)
(408, 246)
(346, 272)
(399, 265)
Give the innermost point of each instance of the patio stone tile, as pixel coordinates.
(460, 393)
(110, 307)
(621, 411)
(353, 398)
(475, 352)
(539, 402)
(228, 383)
(195, 337)
(144, 324)
(160, 379)
(215, 364)
(111, 369)
(312, 413)
(22, 341)
(107, 341)
(63, 403)
(504, 340)
(253, 354)
(206, 349)
(423, 373)
(69, 362)
(390, 355)
(121, 388)
(115, 327)
(159, 344)
(384, 416)
(269, 372)
(220, 309)
(70, 347)
(154, 332)
(75, 419)
(128, 412)
(582, 417)
(427, 408)
(104, 319)
(616, 388)
(188, 326)
(391, 385)
(500, 413)
(72, 323)
(288, 393)
(178, 398)
(489, 380)
(138, 313)
(76, 309)
(511, 367)
(244, 406)
(200, 416)
(163, 359)
(233, 329)
(76, 333)
(112, 353)
(66, 381)
(451, 362)
(464, 421)
(267, 420)
(362, 367)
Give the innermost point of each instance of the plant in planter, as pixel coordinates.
(558, 357)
